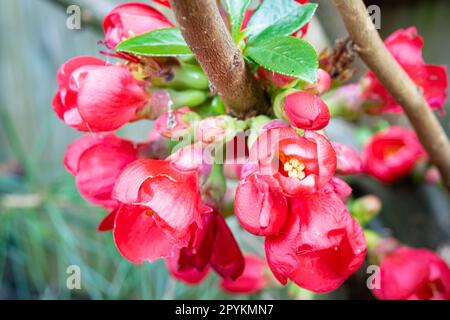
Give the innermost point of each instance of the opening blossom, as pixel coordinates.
(392, 154)
(129, 20)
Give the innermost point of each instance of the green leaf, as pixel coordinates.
(279, 18)
(286, 55)
(160, 43)
(236, 11)
(292, 22)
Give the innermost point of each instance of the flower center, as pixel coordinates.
(294, 168)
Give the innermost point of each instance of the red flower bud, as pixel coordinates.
(96, 160)
(173, 125)
(413, 274)
(406, 47)
(294, 164)
(392, 154)
(252, 279)
(161, 200)
(277, 79)
(320, 246)
(129, 20)
(210, 130)
(322, 85)
(259, 209)
(348, 161)
(94, 96)
(306, 111)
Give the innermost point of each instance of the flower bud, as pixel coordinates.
(175, 124)
(322, 85)
(346, 102)
(366, 208)
(304, 110)
(217, 129)
(129, 20)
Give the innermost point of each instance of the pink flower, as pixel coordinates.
(306, 111)
(213, 246)
(129, 20)
(94, 96)
(162, 208)
(320, 246)
(413, 274)
(189, 276)
(406, 47)
(252, 279)
(392, 154)
(348, 161)
(294, 164)
(96, 160)
(259, 209)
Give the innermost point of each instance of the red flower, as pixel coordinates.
(212, 245)
(306, 111)
(96, 160)
(348, 161)
(94, 96)
(189, 276)
(259, 209)
(129, 20)
(294, 164)
(252, 279)
(392, 154)
(163, 209)
(320, 246)
(413, 274)
(406, 47)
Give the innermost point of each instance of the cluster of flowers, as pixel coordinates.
(393, 153)
(169, 203)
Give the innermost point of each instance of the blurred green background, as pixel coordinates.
(45, 226)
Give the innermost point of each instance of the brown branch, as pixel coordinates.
(394, 78)
(206, 34)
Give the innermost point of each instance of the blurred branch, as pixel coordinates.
(373, 52)
(92, 12)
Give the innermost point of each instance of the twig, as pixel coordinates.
(206, 34)
(394, 78)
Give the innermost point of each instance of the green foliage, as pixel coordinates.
(236, 12)
(286, 55)
(275, 18)
(159, 43)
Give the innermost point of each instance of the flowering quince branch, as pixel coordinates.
(399, 84)
(169, 196)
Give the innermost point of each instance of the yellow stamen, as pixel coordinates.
(294, 168)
